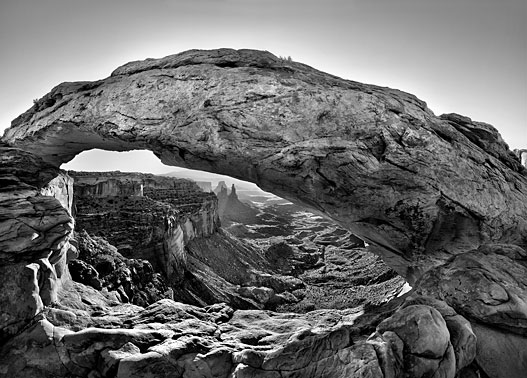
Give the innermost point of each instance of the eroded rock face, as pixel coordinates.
(488, 286)
(35, 226)
(417, 187)
(177, 340)
(425, 338)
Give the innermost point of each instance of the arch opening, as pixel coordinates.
(212, 239)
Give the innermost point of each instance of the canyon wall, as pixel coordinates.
(145, 216)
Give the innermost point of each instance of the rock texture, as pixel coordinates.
(145, 216)
(35, 226)
(172, 339)
(375, 159)
(101, 266)
(442, 199)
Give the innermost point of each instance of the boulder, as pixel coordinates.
(462, 335)
(426, 339)
(487, 286)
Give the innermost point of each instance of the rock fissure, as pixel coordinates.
(55, 340)
(400, 166)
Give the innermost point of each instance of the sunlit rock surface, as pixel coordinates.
(427, 193)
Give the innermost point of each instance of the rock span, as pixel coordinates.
(375, 159)
(427, 193)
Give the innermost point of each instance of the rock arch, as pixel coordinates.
(424, 191)
(417, 187)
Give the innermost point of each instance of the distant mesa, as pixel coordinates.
(206, 186)
(221, 187)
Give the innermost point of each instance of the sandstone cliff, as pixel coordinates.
(432, 195)
(147, 216)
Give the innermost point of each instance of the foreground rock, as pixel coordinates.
(176, 340)
(488, 286)
(35, 226)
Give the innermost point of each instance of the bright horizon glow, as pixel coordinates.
(96, 160)
(143, 161)
(460, 56)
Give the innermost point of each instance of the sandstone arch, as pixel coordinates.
(424, 190)
(417, 187)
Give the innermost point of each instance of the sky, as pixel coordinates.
(462, 56)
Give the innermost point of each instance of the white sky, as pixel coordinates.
(463, 56)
